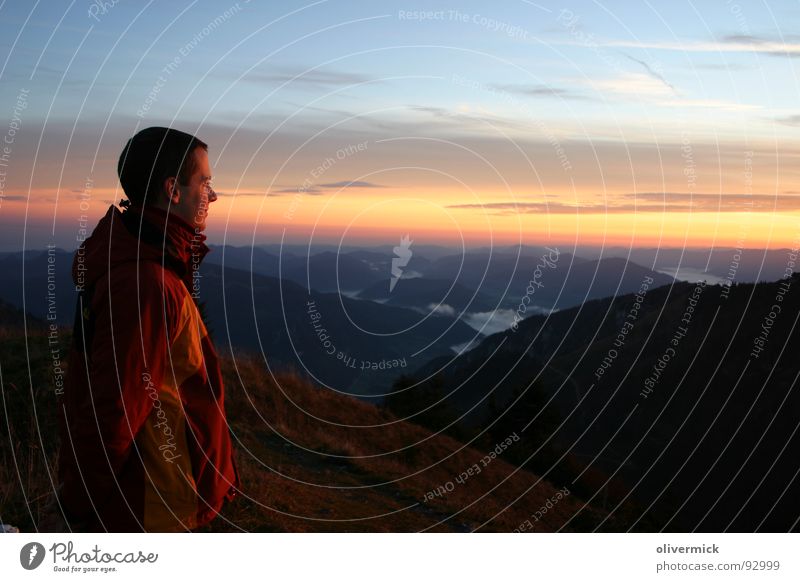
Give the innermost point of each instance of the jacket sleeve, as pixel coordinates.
(127, 361)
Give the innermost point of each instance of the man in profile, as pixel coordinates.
(144, 438)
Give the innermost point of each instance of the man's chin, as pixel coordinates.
(200, 223)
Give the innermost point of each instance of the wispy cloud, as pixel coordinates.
(726, 202)
(653, 73)
(304, 76)
(791, 120)
(543, 91)
(351, 184)
(466, 121)
(650, 202)
(709, 104)
(727, 67)
(770, 46)
(250, 193)
(642, 86)
(298, 190)
(634, 84)
(730, 43)
(317, 189)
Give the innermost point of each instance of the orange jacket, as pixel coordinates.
(144, 439)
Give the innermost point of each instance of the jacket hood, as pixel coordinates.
(148, 234)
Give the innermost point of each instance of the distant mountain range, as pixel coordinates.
(743, 265)
(370, 342)
(437, 306)
(354, 346)
(714, 264)
(429, 295)
(496, 278)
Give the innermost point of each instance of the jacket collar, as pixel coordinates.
(181, 244)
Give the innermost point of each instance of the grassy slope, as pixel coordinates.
(293, 468)
(298, 473)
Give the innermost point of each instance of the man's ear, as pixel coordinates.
(171, 190)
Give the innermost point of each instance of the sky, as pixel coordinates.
(586, 123)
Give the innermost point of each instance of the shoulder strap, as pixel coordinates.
(83, 326)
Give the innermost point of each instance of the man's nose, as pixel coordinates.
(212, 196)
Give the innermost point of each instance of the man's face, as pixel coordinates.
(197, 194)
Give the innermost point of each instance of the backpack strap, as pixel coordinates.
(83, 326)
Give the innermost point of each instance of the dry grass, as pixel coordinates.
(314, 460)
(28, 444)
(310, 459)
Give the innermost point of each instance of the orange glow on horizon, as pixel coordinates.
(361, 218)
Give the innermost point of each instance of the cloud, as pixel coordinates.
(723, 67)
(657, 92)
(12, 198)
(743, 39)
(732, 43)
(772, 47)
(351, 184)
(650, 202)
(318, 189)
(255, 194)
(442, 309)
(511, 208)
(543, 91)
(312, 77)
(791, 120)
(463, 121)
(653, 73)
(297, 190)
(637, 84)
(709, 104)
(489, 322)
(704, 202)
